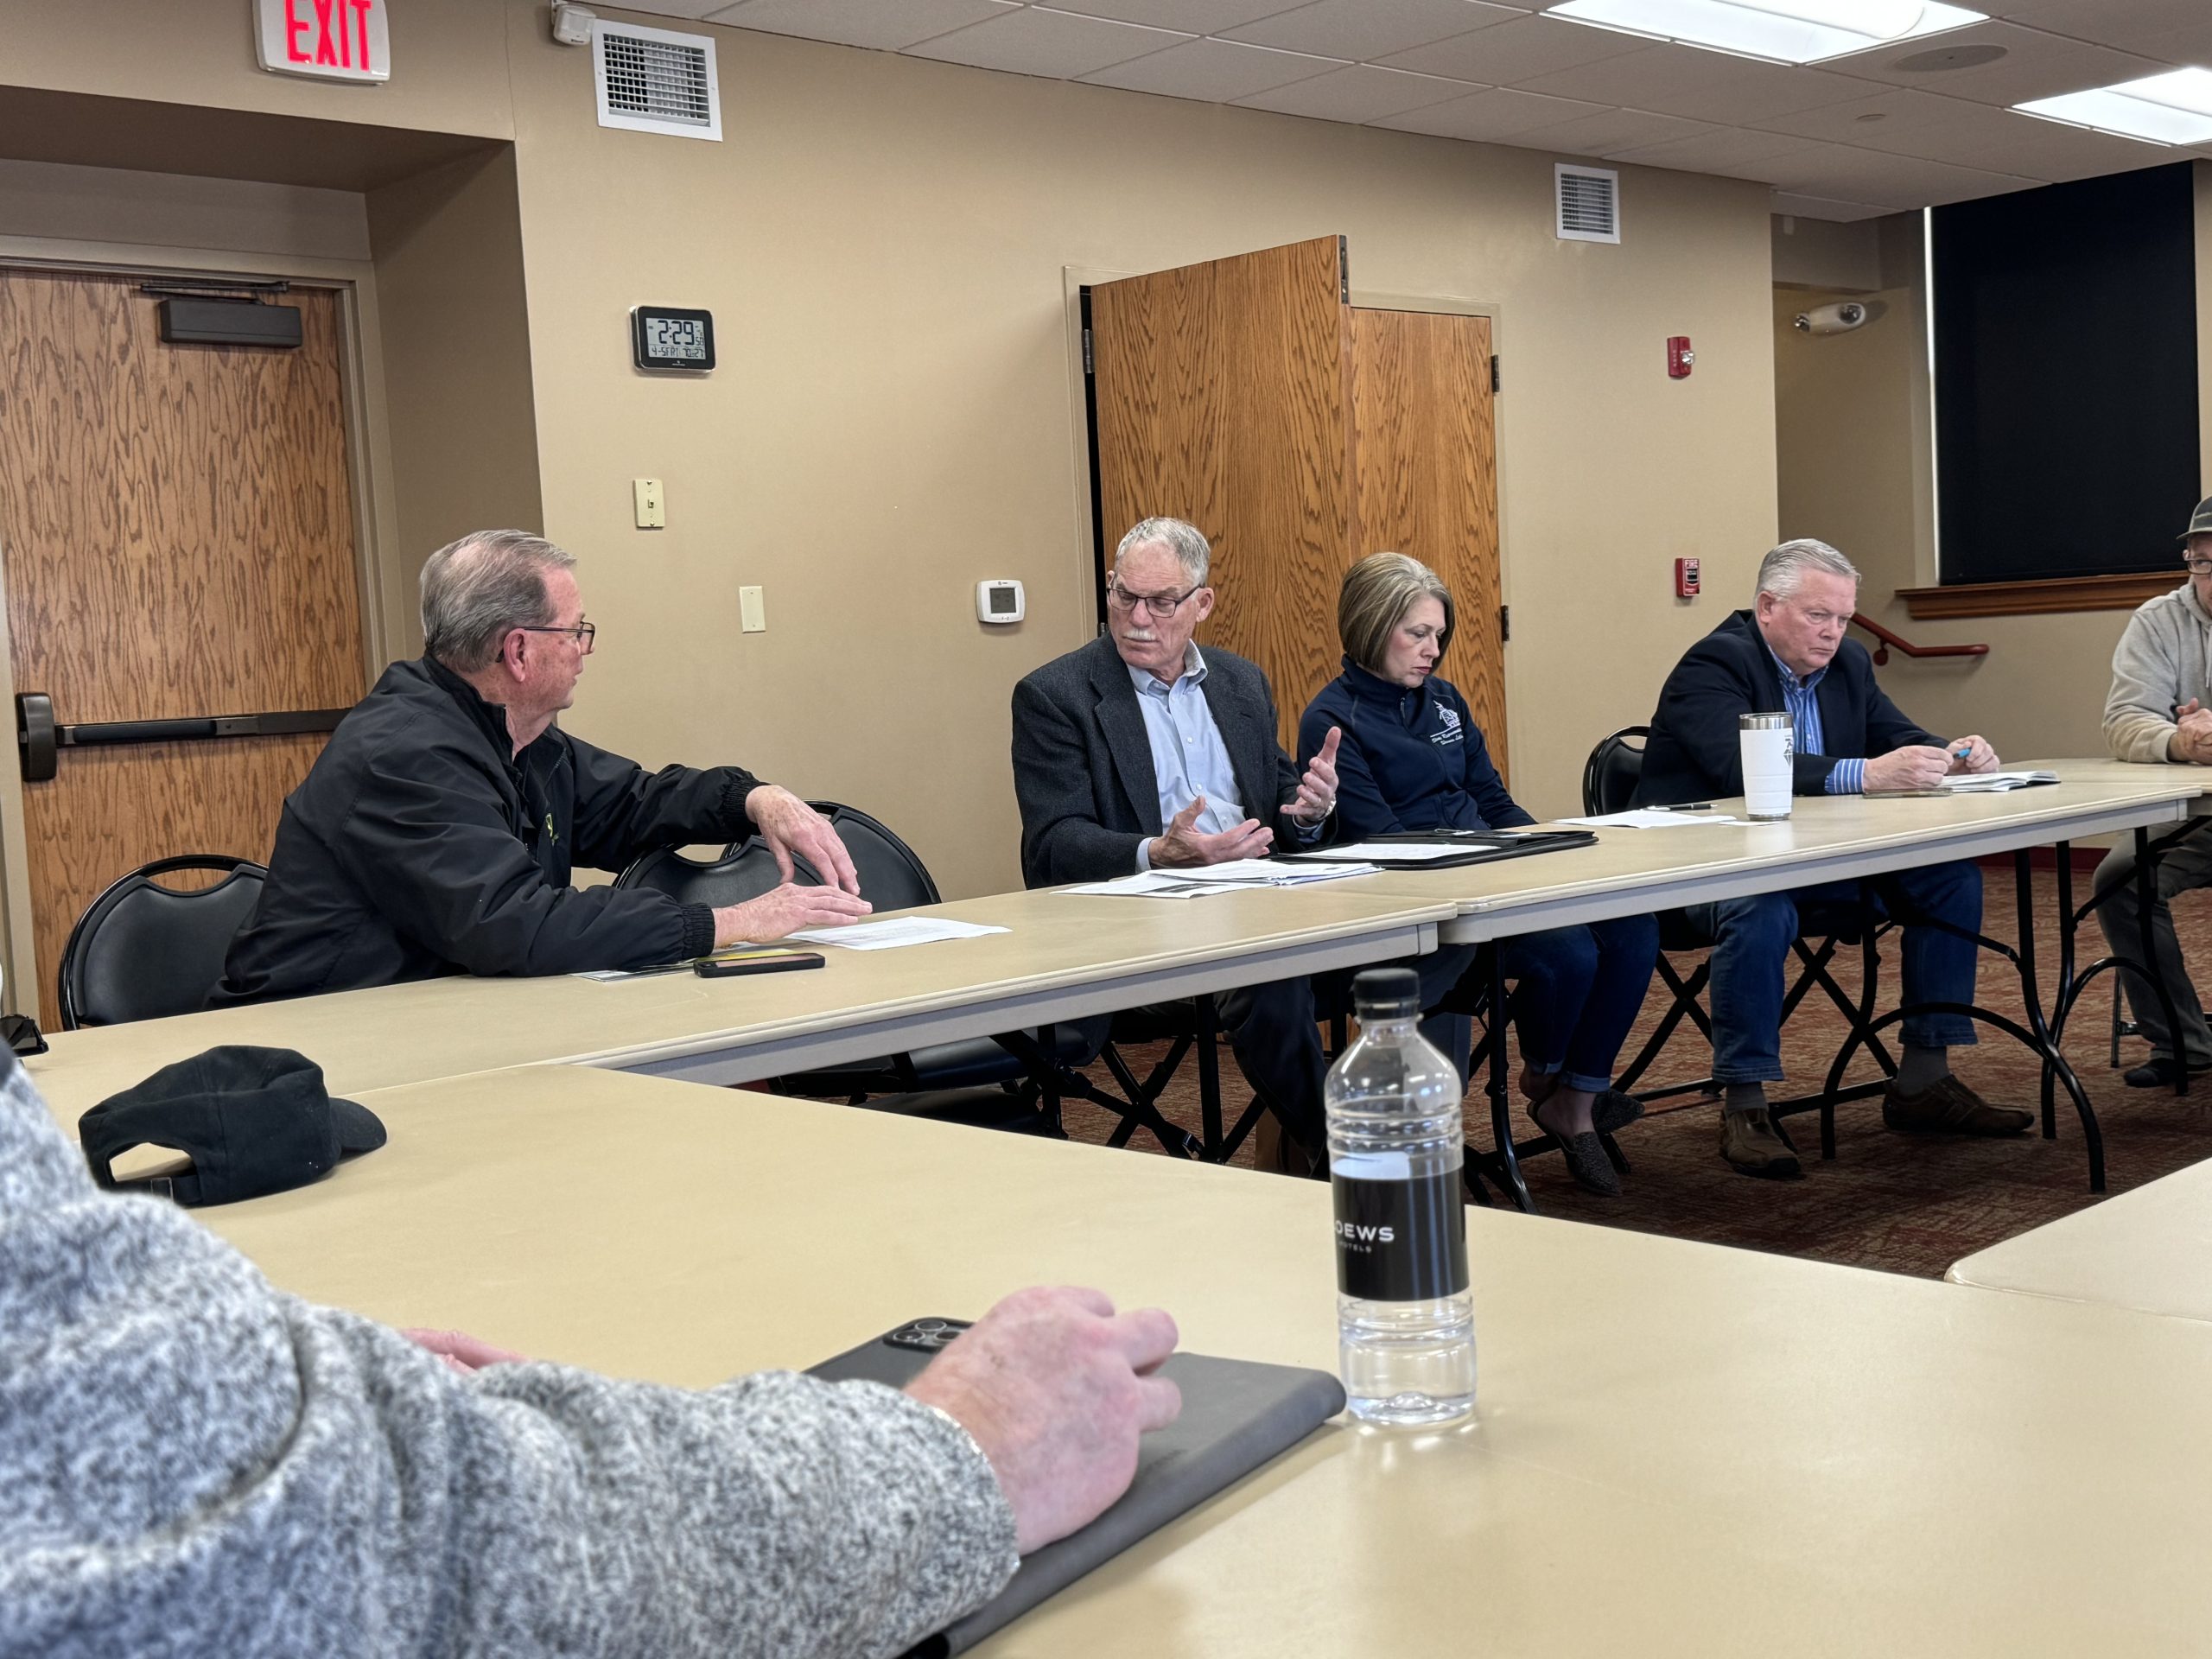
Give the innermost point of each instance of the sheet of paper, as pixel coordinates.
(894, 932)
(1401, 851)
(1268, 872)
(1651, 817)
(1990, 783)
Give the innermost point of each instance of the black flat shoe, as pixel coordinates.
(2159, 1072)
(1585, 1158)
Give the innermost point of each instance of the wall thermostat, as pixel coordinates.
(671, 337)
(998, 600)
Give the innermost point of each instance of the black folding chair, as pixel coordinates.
(1609, 783)
(142, 952)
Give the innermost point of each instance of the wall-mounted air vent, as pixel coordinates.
(1589, 203)
(654, 80)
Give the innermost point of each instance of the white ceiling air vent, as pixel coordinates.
(654, 80)
(1589, 203)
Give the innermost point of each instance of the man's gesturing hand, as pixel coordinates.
(789, 825)
(1056, 1388)
(1184, 846)
(1317, 789)
(1979, 756)
(785, 910)
(1917, 766)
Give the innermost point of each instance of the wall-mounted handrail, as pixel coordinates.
(1883, 639)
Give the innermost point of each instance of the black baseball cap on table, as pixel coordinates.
(253, 1120)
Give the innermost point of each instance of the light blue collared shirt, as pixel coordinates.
(1849, 776)
(1188, 757)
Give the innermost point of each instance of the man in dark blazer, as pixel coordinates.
(1788, 654)
(1140, 752)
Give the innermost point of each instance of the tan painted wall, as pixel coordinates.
(1852, 466)
(456, 358)
(884, 242)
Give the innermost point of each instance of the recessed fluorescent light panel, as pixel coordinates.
(1780, 31)
(2175, 108)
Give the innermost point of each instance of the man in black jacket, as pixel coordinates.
(1139, 752)
(436, 833)
(1787, 653)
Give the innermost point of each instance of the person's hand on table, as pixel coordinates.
(1917, 766)
(786, 909)
(1978, 757)
(1182, 846)
(1317, 789)
(2192, 738)
(460, 1351)
(789, 825)
(1056, 1388)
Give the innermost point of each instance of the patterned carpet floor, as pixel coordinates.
(1903, 1204)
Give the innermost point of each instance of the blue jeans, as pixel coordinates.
(1751, 952)
(1576, 992)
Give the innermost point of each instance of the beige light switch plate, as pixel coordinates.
(752, 614)
(651, 503)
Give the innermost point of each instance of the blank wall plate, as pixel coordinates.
(752, 612)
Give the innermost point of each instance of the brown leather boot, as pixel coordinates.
(1949, 1107)
(1751, 1143)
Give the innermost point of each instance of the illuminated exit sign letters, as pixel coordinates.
(333, 40)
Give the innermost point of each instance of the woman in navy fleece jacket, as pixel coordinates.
(1412, 758)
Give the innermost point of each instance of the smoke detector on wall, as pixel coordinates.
(572, 23)
(656, 80)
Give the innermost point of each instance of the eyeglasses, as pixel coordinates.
(2198, 564)
(1158, 606)
(583, 633)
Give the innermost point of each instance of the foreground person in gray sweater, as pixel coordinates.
(194, 1463)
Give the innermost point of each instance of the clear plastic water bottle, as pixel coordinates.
(1405, 1317)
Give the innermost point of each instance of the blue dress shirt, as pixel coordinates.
(1188, 757)
(1849, 777)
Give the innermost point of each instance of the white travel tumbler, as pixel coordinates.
(1767, 745)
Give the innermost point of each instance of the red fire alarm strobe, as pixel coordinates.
(1685, 578)
(1680, 358)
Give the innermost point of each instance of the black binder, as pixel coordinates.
(1475, 847)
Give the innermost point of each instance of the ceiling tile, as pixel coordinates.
(1698, 85)
(1516, 50)
(1729, 152)
(1215, 71)
(1898, 182)
(1358, 93)
(2122, 23)
(1785, 201)
(1488, 115)
(2189, 47)
(1184, 16)
(694, 11)
(891, 27)
(1037, 41)
(1866, 120)
(1611, 130)
(2055, 153)
(2035, 65)
(1365, 30)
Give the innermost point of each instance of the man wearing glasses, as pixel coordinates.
(1139, 752)
(2157, 712)
(437, 831)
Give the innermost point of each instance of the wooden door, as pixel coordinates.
(178, 527)
(1426, 470)
(1222, 396)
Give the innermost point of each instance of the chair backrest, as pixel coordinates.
(746, 869)
(892, 877)
(1615, 768)
(142, 950)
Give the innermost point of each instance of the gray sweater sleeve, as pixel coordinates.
(194, 1463)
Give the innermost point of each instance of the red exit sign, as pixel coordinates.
(331, 39)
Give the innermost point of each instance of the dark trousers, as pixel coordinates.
(1750, 951)
(1576, 991)
(2184, 865)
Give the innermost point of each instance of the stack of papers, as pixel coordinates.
(1651, 817)
(1994, 783)
(1243, 873)
(895, 931)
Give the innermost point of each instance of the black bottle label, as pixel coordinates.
(1402, 1240)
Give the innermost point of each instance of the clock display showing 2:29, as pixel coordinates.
(666, 337)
